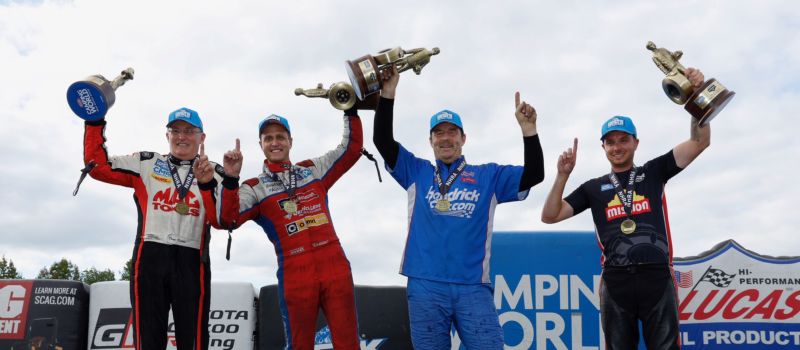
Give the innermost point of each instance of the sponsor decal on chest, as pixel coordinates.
(461, 201)
(167, 200)
(161, 172)
(468, 177)
(615, 210)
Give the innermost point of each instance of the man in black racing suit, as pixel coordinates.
(630, 216)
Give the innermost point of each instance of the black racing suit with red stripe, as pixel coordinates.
(170, 265)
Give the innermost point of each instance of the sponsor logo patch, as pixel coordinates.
(615, 210)
(306, 222)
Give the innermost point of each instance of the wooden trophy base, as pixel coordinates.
(707, 101)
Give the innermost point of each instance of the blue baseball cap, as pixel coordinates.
(274, 119)
(186, 115)
(618, 123)
(446, 116)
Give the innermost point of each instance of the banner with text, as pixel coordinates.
(732, 298)
(43, 314)
(231, 321)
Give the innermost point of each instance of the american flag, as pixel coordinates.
(683, 279)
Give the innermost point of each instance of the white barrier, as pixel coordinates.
(232, 316)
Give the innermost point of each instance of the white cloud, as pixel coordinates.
(236, 62)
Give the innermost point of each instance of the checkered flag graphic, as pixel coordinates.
(718, 277)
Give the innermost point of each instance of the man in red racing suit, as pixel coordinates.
(170, 265)
(290, 202)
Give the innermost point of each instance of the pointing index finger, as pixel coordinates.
(516, 98)
(575, 146)
(202, 149)
(237, 144)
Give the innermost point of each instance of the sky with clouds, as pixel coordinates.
(576, 62)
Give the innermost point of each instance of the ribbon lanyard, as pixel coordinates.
(444, 187)
(182, 187)
(84, 172)
(627, 196)
(372, 158)
(289, 185)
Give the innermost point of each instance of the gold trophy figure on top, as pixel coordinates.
(703, 103)
(364, 73)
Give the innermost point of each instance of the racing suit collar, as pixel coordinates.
(176, 161)
(446, 168)
(277, 167)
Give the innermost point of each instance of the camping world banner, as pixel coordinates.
(732, 298)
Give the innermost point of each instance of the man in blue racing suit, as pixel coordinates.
(451, 208)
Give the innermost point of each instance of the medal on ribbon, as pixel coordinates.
(443, 204)
(628, 226)
(182, 208)
(289, 185)
(290, 206)
(181, 186)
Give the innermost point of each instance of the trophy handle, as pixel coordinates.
(319, 91)
(341, 95)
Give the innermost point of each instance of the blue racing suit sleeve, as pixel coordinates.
(406, 167)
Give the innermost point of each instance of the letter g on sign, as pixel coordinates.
(12, 299)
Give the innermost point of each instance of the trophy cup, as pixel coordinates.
(364, 72)
(91, 98)
(703, 103)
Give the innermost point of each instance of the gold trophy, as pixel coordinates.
(365, 71)
(703, 103)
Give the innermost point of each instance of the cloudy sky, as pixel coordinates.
(235, 62)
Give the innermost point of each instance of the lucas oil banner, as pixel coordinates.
(732, 299)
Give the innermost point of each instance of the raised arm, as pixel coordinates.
(383, 134)
(555, 207)
(124, 172)
(533, 171)
(333, 164)
(699, 137)
(209, 178)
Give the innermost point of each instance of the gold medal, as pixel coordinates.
(182, 208)
(290, 206)
(443, 205)
(628, 226)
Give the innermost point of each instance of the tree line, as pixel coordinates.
(66, 270)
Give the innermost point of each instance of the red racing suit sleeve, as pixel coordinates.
(332, 165)
(211, 191)
(125, 169)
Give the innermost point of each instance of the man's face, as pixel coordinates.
(276, 143)
(446, 140)
(620, 147)
(184, 140)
